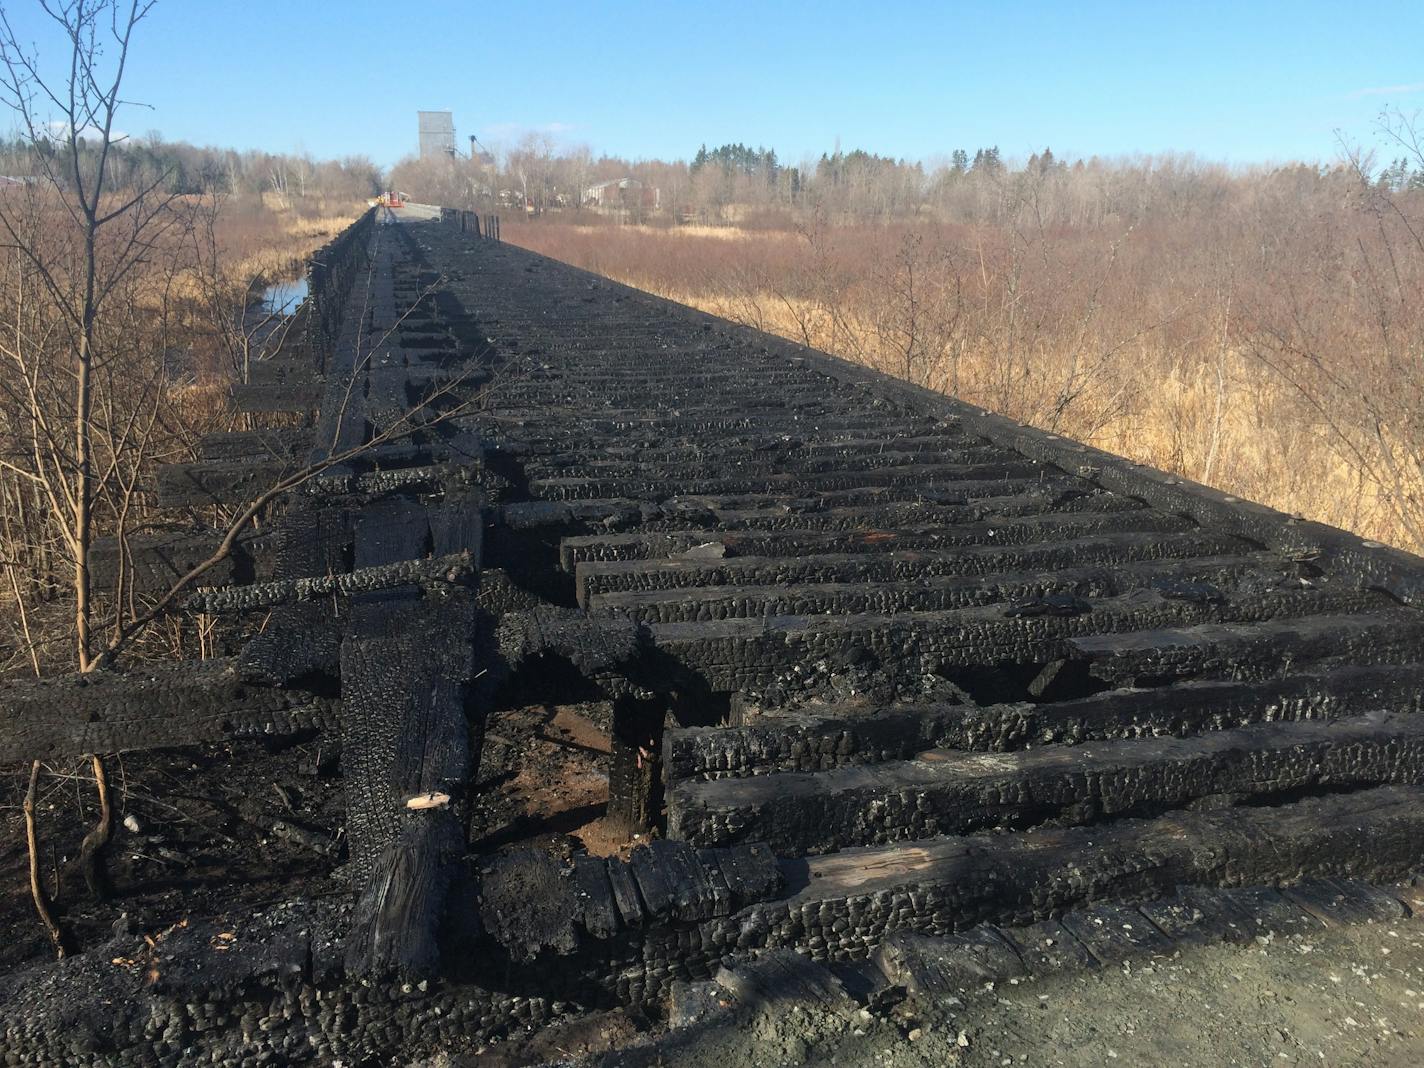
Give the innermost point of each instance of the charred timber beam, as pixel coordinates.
(943, 791)
(767, 447)
(935, 593)
(408, 747)
(300, 642)
(731, 655)
(604, 650)
(412, 542)
(200, 484)
(814, 513)
(458, 569)
(895, 566)
(714, 463)
(295, 369)
(154, 562)
(285, 443)
(437, 477)
(635, 780)
(313, 538)
(256, 397)
(655, 488)
(534, 907)
(848, 509)
(163, 706)
(1257, 650)
(953, 883)
(1049, 527)
(822, 737)
(842, 906)
(554, 424)
(1030, 627)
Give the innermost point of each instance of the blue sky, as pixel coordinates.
(1242, 82)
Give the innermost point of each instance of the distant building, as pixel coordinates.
(623, 193)
(437, 134)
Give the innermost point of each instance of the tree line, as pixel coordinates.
(736, 183)
(184, 169)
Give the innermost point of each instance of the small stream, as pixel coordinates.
(282, 298)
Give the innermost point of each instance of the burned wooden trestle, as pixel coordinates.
(881, 665)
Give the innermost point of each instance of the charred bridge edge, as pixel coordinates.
(1373, 564)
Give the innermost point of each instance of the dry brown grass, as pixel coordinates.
(271, 243)
(605, 230)
(259, 243)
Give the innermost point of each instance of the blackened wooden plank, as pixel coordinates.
(277, 397)
(1047, 947)
(1335, 902)
(784, 977)
(298, 641)
(1269, 912)
(1371, 834)
(214, 482)
(751, 872)
(391, 529)
(406, 758)
(956, 792)
(600, 914)
(1253, 650)
(1051, 527)
(896, 566)
(1115, 933)
(719, 892)
(1198, 916)
(625, 892)
(652, 883)
(935, 968)
(692, 895)
(161, 706)
(457, 525)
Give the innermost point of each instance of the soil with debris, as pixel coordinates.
(236, 827)
(1351, 996)
(544, 780)
(223, 828)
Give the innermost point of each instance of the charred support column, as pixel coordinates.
(635, 773)
(408, 751)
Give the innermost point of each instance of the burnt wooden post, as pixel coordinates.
(409, 748)
(635, 779)
(407, 756)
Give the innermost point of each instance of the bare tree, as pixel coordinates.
(80, 234)
(921, 306)
(244, 328)
(1370, 272)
